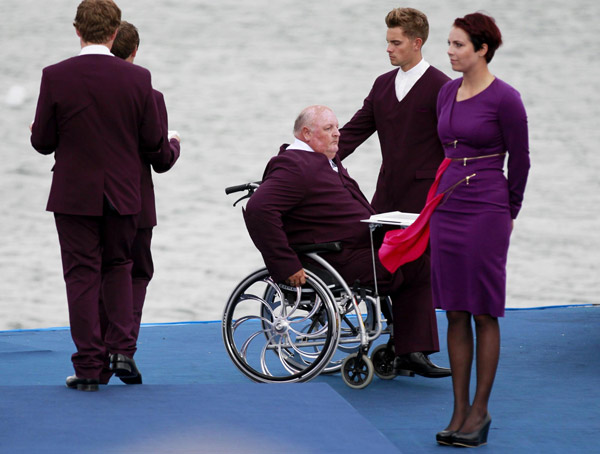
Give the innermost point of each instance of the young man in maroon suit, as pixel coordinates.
(308, 197)
(401, 107)
(97, 113)
(125, 46)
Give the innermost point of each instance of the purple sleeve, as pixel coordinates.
(280, 191)
(150, 131)
(170, 149)
(358, 129)
(513, 122)
(44, 132)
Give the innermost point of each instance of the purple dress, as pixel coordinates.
(470, 229)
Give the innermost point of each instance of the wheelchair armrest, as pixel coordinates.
(335, 246)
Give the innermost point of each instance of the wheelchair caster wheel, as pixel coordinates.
(357, 371)
(383, 361)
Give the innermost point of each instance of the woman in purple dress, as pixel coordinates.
(481, 122)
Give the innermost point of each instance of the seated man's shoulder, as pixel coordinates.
(288, 160)
(294, 157)
(302, 162)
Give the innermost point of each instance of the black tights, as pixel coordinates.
(468, 417)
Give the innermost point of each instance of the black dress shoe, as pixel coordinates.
(473, 439)
(420, 364)
(82, 384)
(137, 380)
(124, 367)
(445, 437)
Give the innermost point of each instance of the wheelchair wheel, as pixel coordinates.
(357, 370)
(349, 342)
(290, 338)
(349, 333)
(382, 357)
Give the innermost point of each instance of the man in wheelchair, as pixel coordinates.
(307, 197)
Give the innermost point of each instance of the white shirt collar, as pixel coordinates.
(405, 80)
(300, 145)
(95, 49)
(416, 71)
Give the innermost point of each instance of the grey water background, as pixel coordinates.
(235, 75)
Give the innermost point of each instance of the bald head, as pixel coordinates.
(307, 117)
(318, 127)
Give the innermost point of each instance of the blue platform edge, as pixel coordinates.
(201, 322)
(545, 397)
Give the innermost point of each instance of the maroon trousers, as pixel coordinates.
(414, 319)
(141, 273)
(96, 251)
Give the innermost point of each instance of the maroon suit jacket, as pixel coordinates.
(96, 112)
(169, 154)
(407, 130)
(302, 200)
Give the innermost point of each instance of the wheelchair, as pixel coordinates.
(276, 333)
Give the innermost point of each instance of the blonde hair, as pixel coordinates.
(413, 22)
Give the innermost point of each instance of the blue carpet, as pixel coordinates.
(545, 399)
(241, 418)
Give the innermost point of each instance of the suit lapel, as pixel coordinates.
(351, 185)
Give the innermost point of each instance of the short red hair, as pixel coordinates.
(481, 29)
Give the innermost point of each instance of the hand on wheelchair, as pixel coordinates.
(297, 279)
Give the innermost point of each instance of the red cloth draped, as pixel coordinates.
(405, 245)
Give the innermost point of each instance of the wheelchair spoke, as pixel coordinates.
(241, 320)
(279, 293)
(246, 344)
(257, 299)
(310, 334)
(308, 354)
(316, 306)
(263, 353)
(283, 312)
(284, 361)
(294, 306)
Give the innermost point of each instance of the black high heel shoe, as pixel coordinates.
(445, 437)
(473, 439)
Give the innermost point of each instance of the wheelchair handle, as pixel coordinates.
(242, 187)
(250, 187)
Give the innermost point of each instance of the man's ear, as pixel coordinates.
(418, 43)
(134, 53)
(78, 32)
(306, 133)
